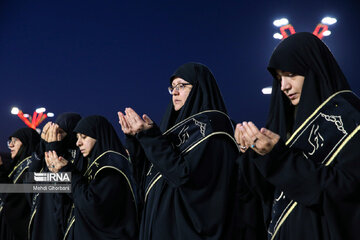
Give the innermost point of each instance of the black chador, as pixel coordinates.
(49, 210)
(104, 197)
(15, 209)
(309, 182)
(189, 177)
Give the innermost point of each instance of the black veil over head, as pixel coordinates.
(67, 122)
(99, 128)
(29, 138)
(306, 55)
(204, 95)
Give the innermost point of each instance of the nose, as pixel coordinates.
(285, 84)
(175, 91)
(78, 142)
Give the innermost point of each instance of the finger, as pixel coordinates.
(57, 133)
(55, 155)
(242, 143)
(122, 120)
(268, 133)
(47, 158)
(247, 134)
(120, 116)
(63, 161)
(51, 133)
(45, 131)
(129, 117)
(240, 139)
(237, 133)
(58, 137)
(147, 119)
(253, 129)
(129, 121)
(50, 155)
(46, 127)
(133, 114)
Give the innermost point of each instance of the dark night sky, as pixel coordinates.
(98, 57)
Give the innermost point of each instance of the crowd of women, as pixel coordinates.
(197, 175)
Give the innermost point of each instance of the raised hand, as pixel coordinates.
(125, 126)
(136, 123)
(239, 138)
(53, 134)
(54, 162)
(261, 141)
(44, 132)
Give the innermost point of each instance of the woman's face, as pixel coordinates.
(14, 145)
(85, 144)
(291, 85)
(180, 92)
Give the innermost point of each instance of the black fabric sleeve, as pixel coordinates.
(164, 156)
(138, 159)
(308, 182)
(105, 203)
(38, 157)
(255, 197)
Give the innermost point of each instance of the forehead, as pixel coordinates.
(178, 80)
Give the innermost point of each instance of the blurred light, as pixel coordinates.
(15, 110)
(280, 22)
(327, 33)
(267, 90)
(40, 110)
(26, 115)
(328, 20)
(50, 114)
(278, 36)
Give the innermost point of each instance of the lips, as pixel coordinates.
(292, 96)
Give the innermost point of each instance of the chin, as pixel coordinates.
(295, 103)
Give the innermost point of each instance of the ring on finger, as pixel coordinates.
(254, 143)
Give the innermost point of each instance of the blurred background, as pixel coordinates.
(98, 57)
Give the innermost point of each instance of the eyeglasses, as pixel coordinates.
(179, 87)
(12, 142)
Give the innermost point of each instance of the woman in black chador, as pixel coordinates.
(308, 154)
(185, 167)
(48, 210)
(105, 205)
(14, 207)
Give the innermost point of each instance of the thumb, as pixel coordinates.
(58, 137)
(269, 133)
(147, 119)
(62, 159)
